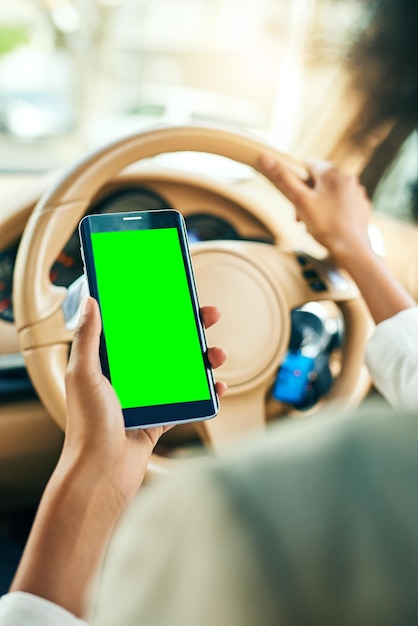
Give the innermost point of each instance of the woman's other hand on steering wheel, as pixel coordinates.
(334, 206)
(336, 211)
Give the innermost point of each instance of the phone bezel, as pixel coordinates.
(164, 414)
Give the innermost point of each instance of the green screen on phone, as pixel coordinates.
(153, 346)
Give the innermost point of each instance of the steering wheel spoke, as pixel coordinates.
(51, 330)
(303, 278)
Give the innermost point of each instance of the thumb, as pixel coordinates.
(85, 349)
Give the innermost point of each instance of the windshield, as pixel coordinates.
(75, 74)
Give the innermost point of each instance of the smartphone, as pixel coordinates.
(153, 347)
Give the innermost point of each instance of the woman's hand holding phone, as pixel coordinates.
(101, 467)
(95, 426)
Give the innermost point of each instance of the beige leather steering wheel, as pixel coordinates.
(255, 285)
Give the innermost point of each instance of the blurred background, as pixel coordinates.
(75, 74)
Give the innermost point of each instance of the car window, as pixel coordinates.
(397, 192)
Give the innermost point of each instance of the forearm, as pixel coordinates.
(64, 551)
(382, 292)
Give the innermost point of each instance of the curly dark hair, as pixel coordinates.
(384, 63)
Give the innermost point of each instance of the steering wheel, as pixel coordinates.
(255, 285)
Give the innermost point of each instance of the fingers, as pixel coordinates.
(216, 356)
(210, 315)
(285, 180)
(85, 349)
(327, 176)
(221, 388)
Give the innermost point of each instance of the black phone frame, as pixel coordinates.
(162, 414)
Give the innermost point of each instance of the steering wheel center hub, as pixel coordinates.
(254, 327)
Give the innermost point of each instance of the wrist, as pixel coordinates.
(116, 471)
(347, 254)
(108, 483)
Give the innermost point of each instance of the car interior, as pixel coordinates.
(280, 295)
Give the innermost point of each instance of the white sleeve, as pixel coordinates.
(24, 609)
(392, 359)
